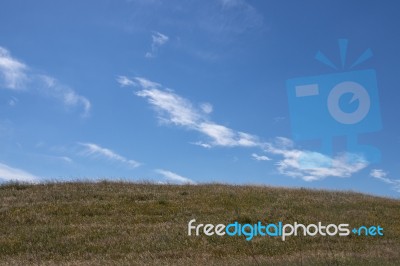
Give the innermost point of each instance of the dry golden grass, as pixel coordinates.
(116, 223)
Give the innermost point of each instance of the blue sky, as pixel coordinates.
(191, 91)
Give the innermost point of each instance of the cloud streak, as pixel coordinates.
(13, 72)
(174, 109)
(17, 76)
(8, 173)
(173, 177)
(158, 40)
(124, 81)
(311, 165)
(235, 17)
(257, 157)
(382, 176)
(378, 173)
(94, 150)
(207, 108)
(53, 88)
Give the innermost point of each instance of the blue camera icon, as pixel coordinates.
(337, 104)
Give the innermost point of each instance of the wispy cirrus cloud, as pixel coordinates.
(257, 157)
(13, 71)
(174, 109)
(207, 108)
(236, 17)
(211, 30)
(8, 173)
(124, 81)
(53, 88)
(379, 174)
(202, 144)
(311, 165)
(64, 159)
(382, 176)
(95, 150)
(158, 40)
(16, 75)
(13, 101)
(175, 178)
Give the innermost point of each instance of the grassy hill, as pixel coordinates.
(137, 224)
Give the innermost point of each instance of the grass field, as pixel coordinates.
(110, 223)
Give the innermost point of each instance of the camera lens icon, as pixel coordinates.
(344, 104)
(336, 104)
(359, 93)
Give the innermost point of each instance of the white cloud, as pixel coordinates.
(260, 157)
(91, 149)
(224, 136)
(12, 70)
(173, 177)
(13, 102)
(65, 159)
(310, 165)
(8, 173)
(176, 110)
(221, 135)
(201, 144)
(236, 17)
(125, 81)
(52, 88)
(206, 108)
(158, 40)
(171, 107)
(378, 173)
(56, 159)
(147, 84)
(17, 76)
(284, 143)
(382, 176)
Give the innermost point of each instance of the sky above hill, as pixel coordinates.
(202, 91)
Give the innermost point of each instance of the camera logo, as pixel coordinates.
(358, 92)
(337, 104)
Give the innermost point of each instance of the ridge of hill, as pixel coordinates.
(117, 223)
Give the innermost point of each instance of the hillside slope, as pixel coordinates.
(139, 224)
